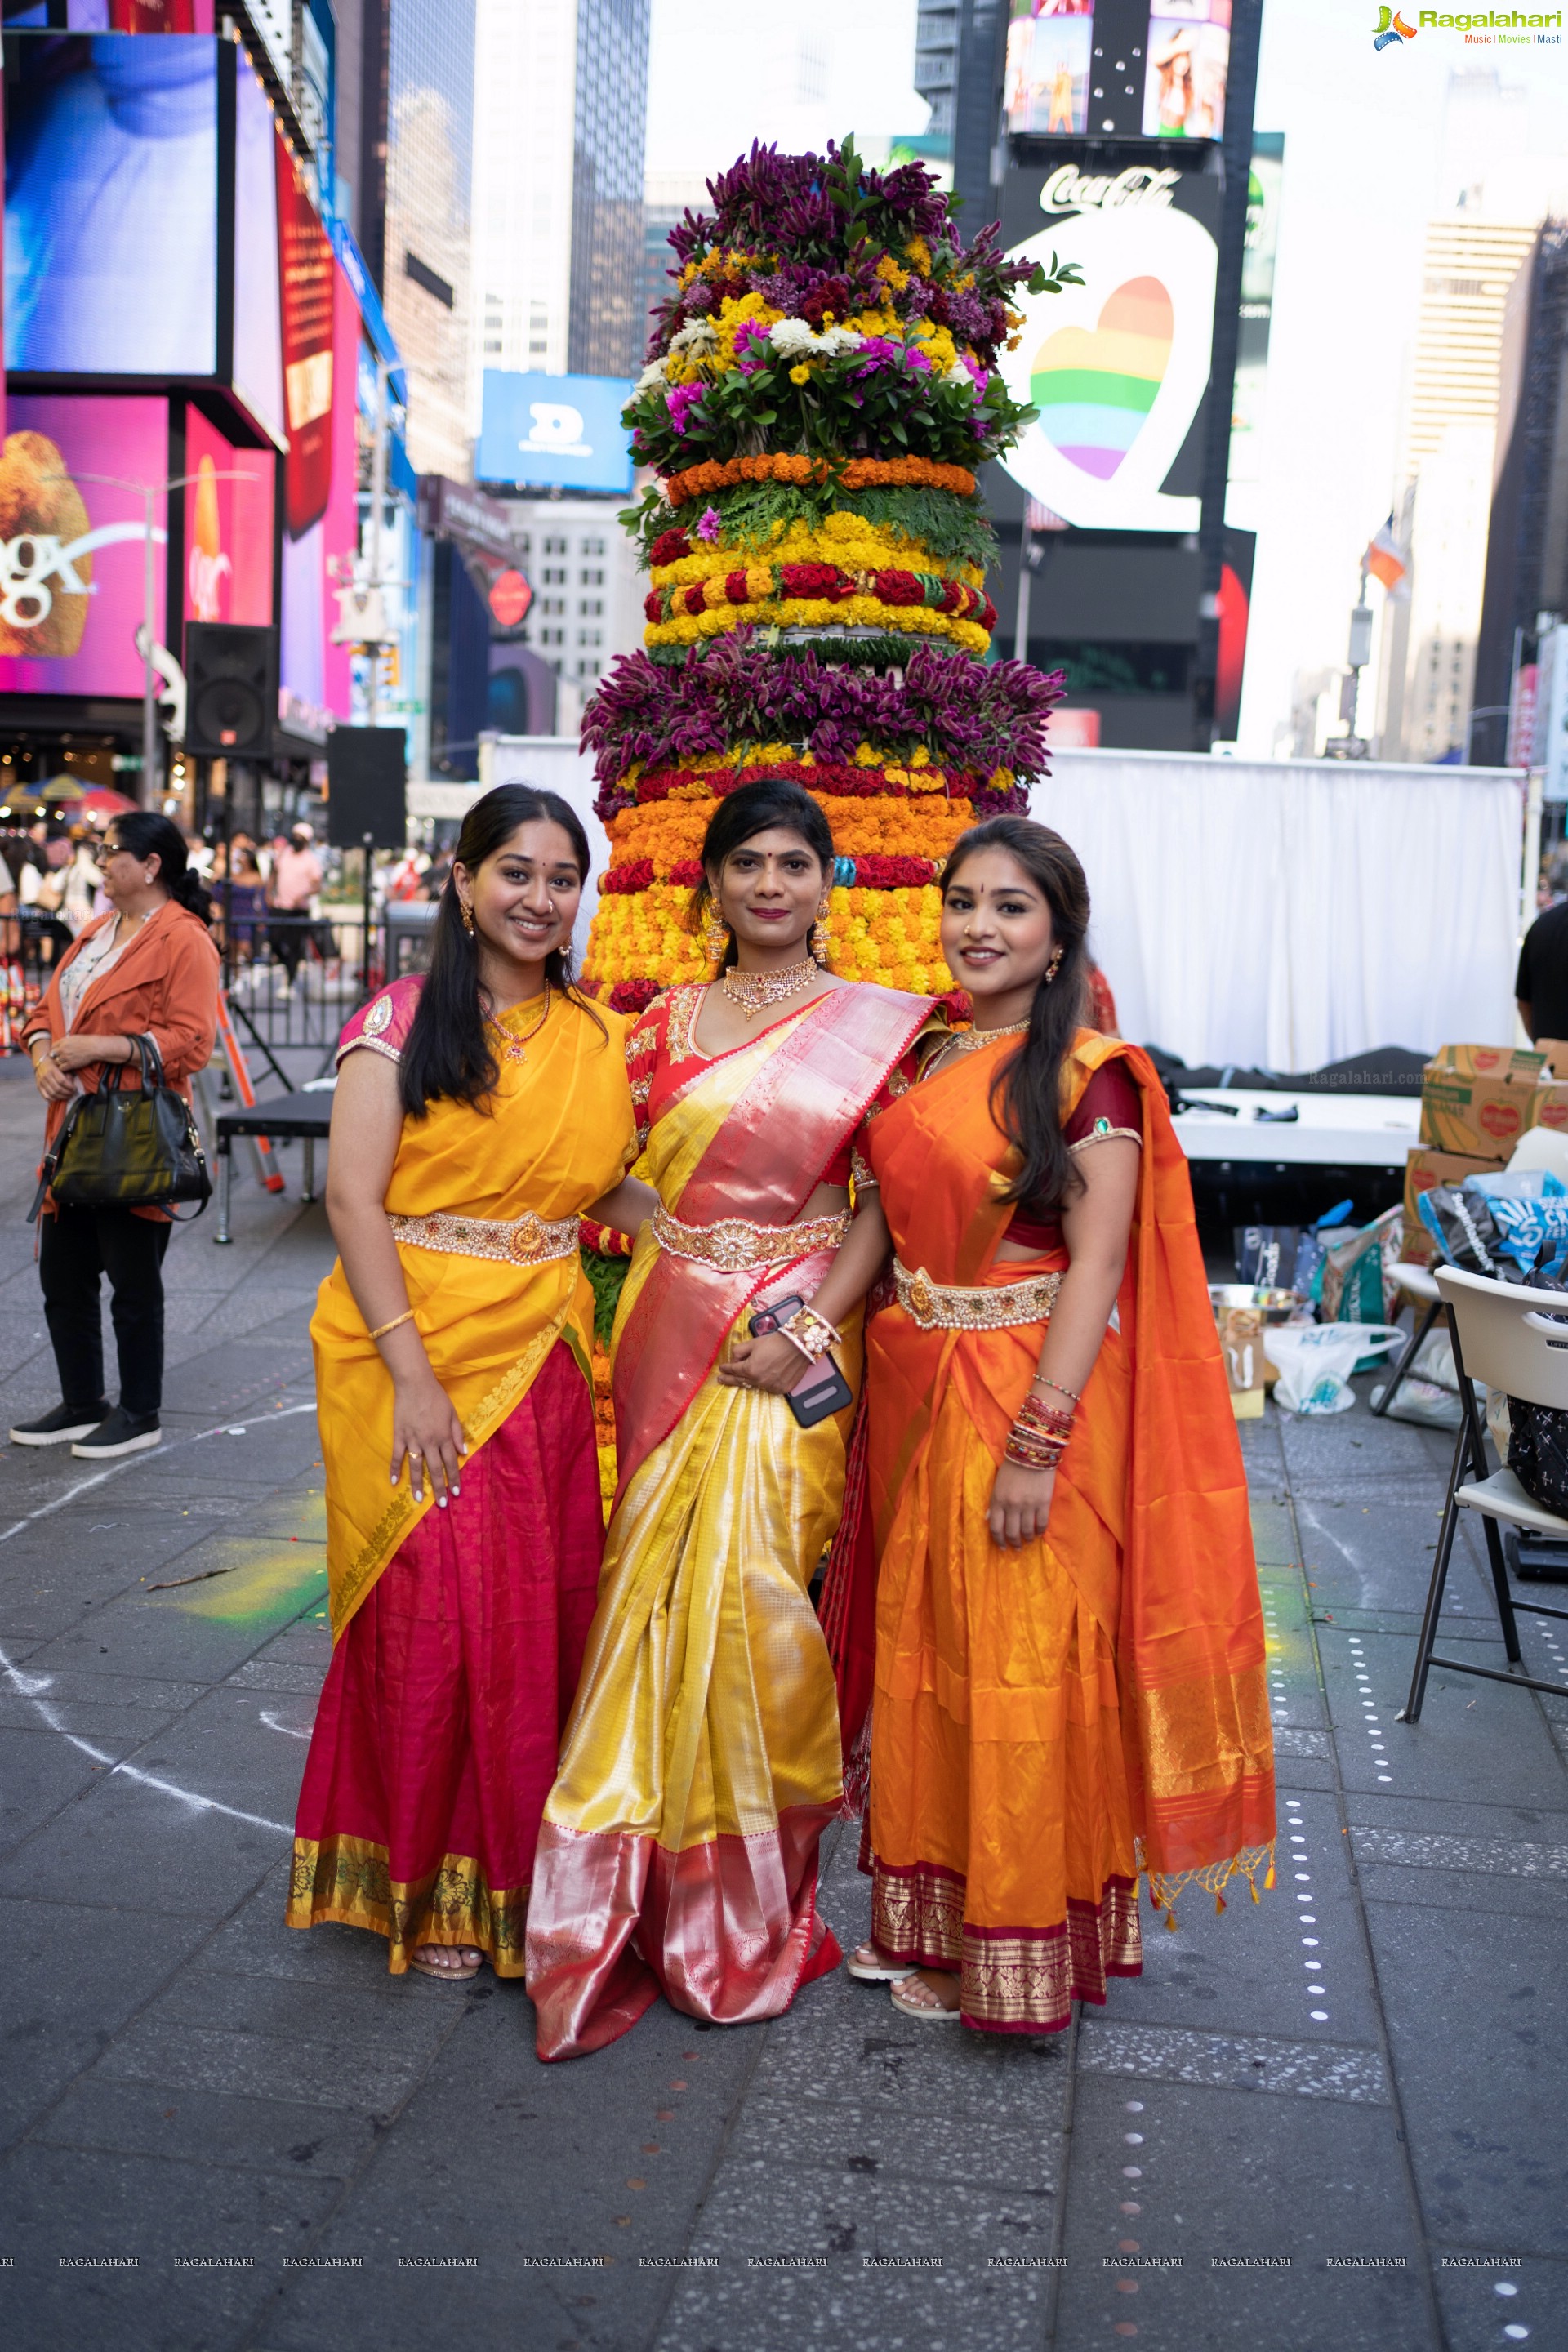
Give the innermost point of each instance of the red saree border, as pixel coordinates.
(1011, 1979)
(727, 1930)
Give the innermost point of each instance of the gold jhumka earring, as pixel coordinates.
(819, 935)
(1053, 967)
(716, 935)
(468, 915)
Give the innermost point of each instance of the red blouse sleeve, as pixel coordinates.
(1109, 1105)
(856, 1154)
(382, 1026)
(645, 1042)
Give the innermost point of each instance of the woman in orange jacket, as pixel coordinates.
(147, 966)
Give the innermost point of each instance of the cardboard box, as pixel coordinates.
(1240, 1322)
(1487, 1062)
(1479, 1119)
(1416, 1245)
(1551, 1102)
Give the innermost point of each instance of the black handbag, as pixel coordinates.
(125, 1149)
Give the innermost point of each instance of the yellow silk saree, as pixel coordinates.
(678, 1849)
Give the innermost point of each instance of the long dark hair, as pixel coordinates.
(145, 833)
(447, 1053)
(1026, 1097)
(739, 817)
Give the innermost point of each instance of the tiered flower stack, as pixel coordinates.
(821, 385)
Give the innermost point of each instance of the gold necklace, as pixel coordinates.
(973, 1041)
(515, 1049)
(756, 991)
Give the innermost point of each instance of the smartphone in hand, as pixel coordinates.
(822, 1388)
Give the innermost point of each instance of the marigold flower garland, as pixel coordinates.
(791, 633)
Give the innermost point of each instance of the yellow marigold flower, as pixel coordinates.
(888, 270)
(918, 252)
(801, 374)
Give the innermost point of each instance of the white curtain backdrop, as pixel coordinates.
(1286, 914)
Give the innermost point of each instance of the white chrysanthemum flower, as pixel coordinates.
(792, 339)
(839, 338)
(653, 373)
(700, 335)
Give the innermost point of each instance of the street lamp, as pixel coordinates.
(147, 492)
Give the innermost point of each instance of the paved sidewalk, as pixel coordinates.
(219, 2136)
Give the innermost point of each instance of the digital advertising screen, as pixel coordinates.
(72, 546)
(228, 527)
(321, 534)
(542, 432)
(111, 204)
(1188, 60)
(258, 317)
(1050, 46)
(1118, 367)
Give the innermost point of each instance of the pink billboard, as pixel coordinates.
(72, 545)
(228, 527)
(314, 672)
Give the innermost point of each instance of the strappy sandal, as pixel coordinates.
(877, 1970)
(443, 1975)
(929, 2011)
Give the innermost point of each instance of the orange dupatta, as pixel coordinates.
(1155, 1448)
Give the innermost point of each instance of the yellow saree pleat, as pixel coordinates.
(702, 1762)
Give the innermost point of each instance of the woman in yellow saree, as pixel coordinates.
(478, 1112)
(679, 1850)
(1065, 1622)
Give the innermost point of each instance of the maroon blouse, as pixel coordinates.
(1109, 1105)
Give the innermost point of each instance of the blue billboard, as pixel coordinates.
(549, 432)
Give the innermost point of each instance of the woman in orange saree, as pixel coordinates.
(1068, 1658)
(478, 1113)
(679, 1850)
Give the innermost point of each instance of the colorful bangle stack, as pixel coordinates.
(1038, 1437)
(812, 1333)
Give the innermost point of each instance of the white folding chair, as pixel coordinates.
(1511, 1339)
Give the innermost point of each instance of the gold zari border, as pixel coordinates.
(346, 1880)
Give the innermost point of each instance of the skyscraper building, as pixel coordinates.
(1527, 550)
(429, 197)
(1429, 646)
(558, 206)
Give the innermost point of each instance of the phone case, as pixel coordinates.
(822, 1388)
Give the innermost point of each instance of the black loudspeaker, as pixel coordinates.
(365, 769)
(231, 690)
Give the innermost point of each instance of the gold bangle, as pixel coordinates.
(383, 1328)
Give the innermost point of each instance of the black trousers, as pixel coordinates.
(75, 1248)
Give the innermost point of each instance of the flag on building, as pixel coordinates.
(1385, 561)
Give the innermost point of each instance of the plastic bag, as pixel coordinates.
(1529, 1210)
(1461, 1224)
(1314, 1361)
(1357, 1283)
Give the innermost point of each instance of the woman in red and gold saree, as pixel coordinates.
(1069, 1656)
(478, 1112)
(678, 1851)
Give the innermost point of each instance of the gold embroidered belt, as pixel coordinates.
(944, 1307)
(733, 1247)
(520, 1241)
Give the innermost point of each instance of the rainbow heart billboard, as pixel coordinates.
(1117, 367)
